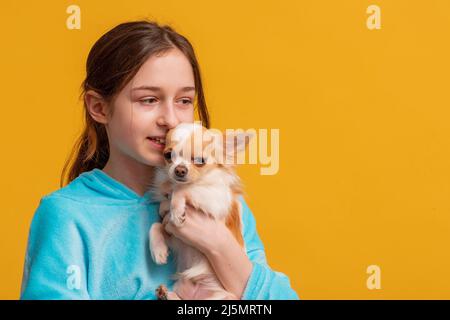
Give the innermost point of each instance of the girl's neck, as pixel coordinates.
(134, 175)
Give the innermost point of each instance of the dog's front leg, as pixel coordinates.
(158, 243)
(164, 208)
(178, 208)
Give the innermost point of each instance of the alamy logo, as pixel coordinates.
(374, 20)
(74, 19)
(73, 281)
(260, 149)
(374, 279)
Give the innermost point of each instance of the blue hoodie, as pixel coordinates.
(89, 240)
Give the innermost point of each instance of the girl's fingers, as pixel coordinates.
(193, 220)
(190, 210)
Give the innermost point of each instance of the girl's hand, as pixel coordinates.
(216, 242)
(200, 231)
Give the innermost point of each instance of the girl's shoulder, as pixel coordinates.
(72, 192)
(89, 188)
(91, 192)
(62, 204)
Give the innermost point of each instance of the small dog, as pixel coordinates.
(199, 170)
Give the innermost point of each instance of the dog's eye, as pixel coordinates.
(199, 161)
(168, 155)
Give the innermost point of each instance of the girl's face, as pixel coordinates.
(158, 98)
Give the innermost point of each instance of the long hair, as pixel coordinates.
(112, 62)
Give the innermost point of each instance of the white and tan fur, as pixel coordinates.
(213, 188)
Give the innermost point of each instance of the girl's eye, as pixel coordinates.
(149, 100)
(186, 101)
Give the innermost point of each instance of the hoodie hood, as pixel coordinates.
(97, 187)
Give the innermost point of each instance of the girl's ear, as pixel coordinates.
(96, 106)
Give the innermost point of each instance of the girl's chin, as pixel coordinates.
(155, 159)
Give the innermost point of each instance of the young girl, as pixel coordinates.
(89, 239)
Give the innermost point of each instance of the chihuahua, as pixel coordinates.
(200, 171)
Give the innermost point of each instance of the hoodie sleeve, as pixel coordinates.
(54, 261)
(264, 283)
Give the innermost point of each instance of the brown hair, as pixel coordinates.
(112, 62)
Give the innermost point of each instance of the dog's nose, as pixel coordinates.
(180, 171)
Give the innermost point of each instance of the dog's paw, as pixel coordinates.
(161, 292)
(160, 252)
(164, 208)
(178, 217)
(157, 243)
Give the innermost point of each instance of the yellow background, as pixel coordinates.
(363, 116)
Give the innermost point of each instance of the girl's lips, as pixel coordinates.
(156, 145)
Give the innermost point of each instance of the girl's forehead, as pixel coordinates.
(163, 67)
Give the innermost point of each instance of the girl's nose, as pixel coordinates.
(167, 118)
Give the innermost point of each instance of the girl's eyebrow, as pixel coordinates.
(152, 88)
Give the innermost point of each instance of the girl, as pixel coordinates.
(89, 239)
